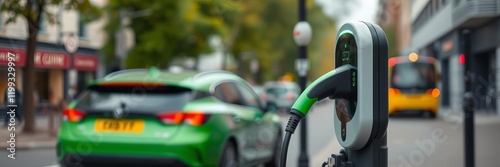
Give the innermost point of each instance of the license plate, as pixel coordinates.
(119, 125)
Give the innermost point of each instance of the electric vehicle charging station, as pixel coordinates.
(359, 86)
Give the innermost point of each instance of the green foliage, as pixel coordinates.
(18, 8)
(32, 11)
(261, 30)
(173, 29)
(266, 30)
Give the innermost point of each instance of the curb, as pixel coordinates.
(31, 145)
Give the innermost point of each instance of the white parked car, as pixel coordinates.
(282, 94)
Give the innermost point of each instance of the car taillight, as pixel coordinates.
(393, 91)
(73, 115)
(171, 117)
(195, 118)
(434, 92)
(289, 96)
(175, 118)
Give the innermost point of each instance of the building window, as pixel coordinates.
(41, 24)
(82, 27)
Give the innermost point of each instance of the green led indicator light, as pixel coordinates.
(345, 45)
(353, 78)
(353, 73)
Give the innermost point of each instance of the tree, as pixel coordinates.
(32, 11)
(174, 29)
(265, 28)
(260, 30)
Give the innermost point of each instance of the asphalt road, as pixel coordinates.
(412, 141)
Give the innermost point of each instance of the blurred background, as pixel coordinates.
(78, 41)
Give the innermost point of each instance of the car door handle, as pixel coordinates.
(236, 119)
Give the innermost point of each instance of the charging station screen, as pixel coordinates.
(346, 52)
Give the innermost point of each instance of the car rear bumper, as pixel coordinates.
(413, 102)
(199, 149)
(73, 160)
(189, 153)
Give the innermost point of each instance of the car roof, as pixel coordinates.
(195, 80)
(405, 59)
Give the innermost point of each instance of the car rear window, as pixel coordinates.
(134, 98)
(413, 75)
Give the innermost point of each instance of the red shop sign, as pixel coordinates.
(44, 59)
(19, 56)
(85, 63)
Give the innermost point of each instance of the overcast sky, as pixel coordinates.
(360, 10)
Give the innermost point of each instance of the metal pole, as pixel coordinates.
(120, 40)
(224, 57)
(468, 101)
(120, 43)
(469, 129)
(303, 157)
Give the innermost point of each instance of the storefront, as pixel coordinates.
(51, 69)
(482, 72)
(447, 51)
(484, 42)
(84, 67)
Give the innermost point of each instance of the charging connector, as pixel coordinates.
(292, 124)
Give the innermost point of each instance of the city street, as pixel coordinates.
(413, 141)
(180, 83)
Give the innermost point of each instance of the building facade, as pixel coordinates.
(396, 13)
(464, 35)
(58, 73)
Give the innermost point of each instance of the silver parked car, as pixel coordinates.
(282, 94)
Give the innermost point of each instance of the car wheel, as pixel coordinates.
(229, 156)
(275, 160)
(433, 115)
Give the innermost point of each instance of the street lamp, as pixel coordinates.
(302, 33)
(120, 40)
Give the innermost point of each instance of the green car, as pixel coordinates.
(149, 117)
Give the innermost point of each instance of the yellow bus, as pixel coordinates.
(413, 85)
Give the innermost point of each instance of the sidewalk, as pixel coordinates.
(480, 117)
(41, 138)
